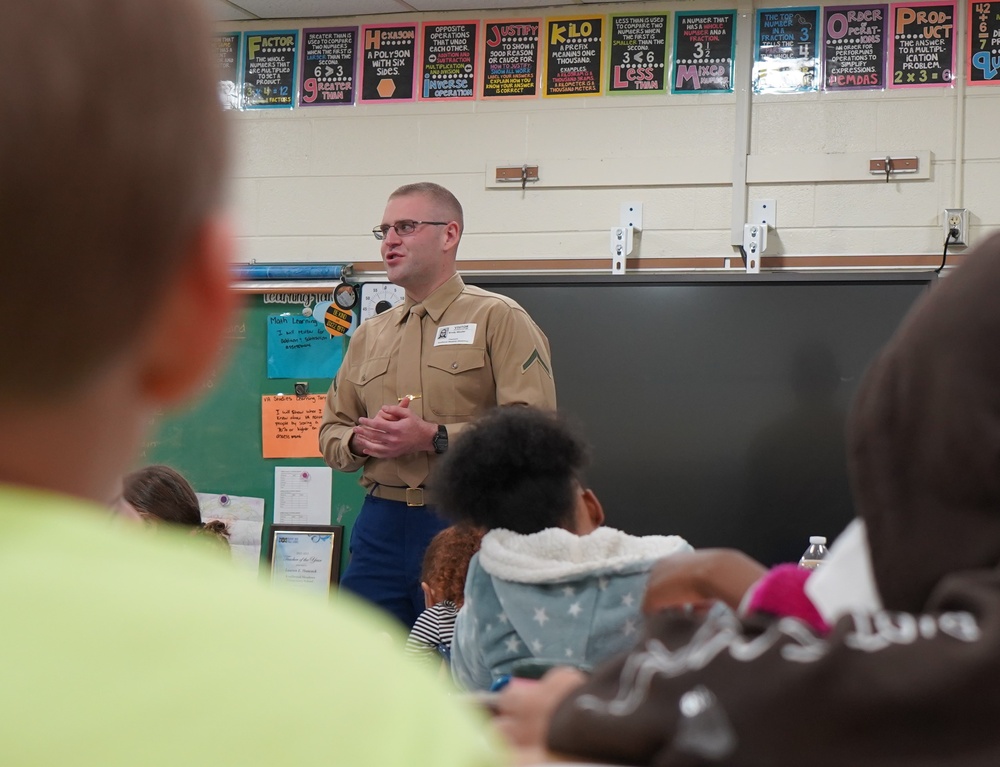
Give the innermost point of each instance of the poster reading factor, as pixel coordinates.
(574, 53)
(923, 45)
(329, 61)
(703, 52)
(227, 51)
(269, 69)
(510, 59)
(448, 61)
(984, 43)
(854, 47)
(637, 62)
(388, 62)
(786, 57)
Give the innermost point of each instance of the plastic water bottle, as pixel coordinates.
(815, 554)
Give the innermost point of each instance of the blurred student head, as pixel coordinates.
(160, 494)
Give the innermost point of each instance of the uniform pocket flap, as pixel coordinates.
(455, 360)
(369, 371)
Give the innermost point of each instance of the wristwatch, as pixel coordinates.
(440, 440)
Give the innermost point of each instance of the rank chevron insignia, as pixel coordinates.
(535, 357)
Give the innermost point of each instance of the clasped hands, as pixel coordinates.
(394, 431)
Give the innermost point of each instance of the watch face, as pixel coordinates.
(345, 295)
(377, 297)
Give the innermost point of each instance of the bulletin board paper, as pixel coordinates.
(298, 347)
(290, 425)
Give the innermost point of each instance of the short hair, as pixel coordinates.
(446, 561)
(111, 156)
(444, 201)
(517, 468)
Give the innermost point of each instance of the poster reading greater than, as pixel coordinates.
(638, 57)
(786, 56)
(227, 51)
(703, 52)
(510, 59)
(269, 69)
(574, 54)
(984, 43)
(923, 45)
(388, 62)
(448, 60)
(329, 61)
(854, 47)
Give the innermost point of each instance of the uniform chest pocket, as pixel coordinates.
(370, 380)
(459, 383)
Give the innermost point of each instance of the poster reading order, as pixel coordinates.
(786, 59)
(854, 48)
(329, 61)
(984, 43)
(637, 62)
(923, 44)
(510, 59)
(703, 52)
(574, 56)
(448, 63)
(388, 62)
(227, 51)
(269, 69)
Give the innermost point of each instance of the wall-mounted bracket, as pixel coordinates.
(754, 244)
(890, 166)
(522, 175)
(621, 246)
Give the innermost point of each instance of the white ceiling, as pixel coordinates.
(247, 10)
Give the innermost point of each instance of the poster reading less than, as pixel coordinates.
(923, 44)
(786, 59)
(510, 59)
(703, 52)
(637, 62)
(448, 63)
(329, 60)
(574, 53)
(388, 62)
(984, 43)
(227, 51)
(854, 51)
(269, 69)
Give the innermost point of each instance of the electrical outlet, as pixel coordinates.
(956, 218)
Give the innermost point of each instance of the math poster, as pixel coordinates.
(510, 59)
(703, 52)
(854, 51)
(923, 45)
(637, 62)
(984, 43)
(329, 63)
(574, 54)
(388, 62)
(269, 69)
(448, 60)
(227, 51)
(786, 56)
(299, 347)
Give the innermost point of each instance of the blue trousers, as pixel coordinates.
(387, 554)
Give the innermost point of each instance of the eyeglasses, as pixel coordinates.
(403, 228)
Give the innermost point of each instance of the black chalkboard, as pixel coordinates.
(573, 56)
(923, 45)
(269, 69)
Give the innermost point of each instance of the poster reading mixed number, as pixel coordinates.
(574, 56)
(388, 62)
(984, 43)
(637, 62)
(855, 47)
(269, 69)
(329, 61)
(448, 63)
(227, 51)
(703, 52)
(510, 59)
(923, 44)
(786, 59)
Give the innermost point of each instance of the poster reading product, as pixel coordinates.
(574, 55)
(510, 59)
(227, 49)
(984, 43)
(388, 62)
(703, 52)
(786, 56)
(923, 44)
(638, 57)
(854, 47)
(448, 63)
(329, 61)
(269, 69)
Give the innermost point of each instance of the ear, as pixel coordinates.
(591, 513)
(451, 236)
(186, 331)
(429, 600)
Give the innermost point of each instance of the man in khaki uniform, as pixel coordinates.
(412, 378)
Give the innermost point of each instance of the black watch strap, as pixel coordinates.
(440, 440)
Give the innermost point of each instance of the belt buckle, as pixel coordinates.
(415, 496)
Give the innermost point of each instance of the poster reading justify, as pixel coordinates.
(510, 59)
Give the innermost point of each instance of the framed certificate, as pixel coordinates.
(305, 557)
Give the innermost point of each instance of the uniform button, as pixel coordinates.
(363, 378)
(454, 365)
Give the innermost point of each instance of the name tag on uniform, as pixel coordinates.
(455, 334)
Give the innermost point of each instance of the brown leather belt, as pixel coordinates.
(412, 496)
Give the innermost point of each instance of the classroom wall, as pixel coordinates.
(311, 182)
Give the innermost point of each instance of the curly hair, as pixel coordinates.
(446, 561)
(517, 468)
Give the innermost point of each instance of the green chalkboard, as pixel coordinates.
(216, 442)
